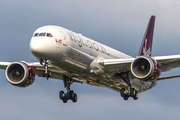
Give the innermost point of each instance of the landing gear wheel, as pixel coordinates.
(74, 98)
(61, 95)
(136, 96)
(48, 73)
(132, 92)
(65, 100)
(71, 94)
(43, 74)
(122, 92)
(126, 97)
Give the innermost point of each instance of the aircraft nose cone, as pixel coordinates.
(36, 47)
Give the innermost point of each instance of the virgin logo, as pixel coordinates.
(146, 52)
(58, 41)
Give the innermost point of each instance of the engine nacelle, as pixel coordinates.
(145, 68)
(20, 74)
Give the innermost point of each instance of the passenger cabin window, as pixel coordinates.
(49, 35)
(36, 34)
(42, 34)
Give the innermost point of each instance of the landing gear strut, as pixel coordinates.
(131, 92)
(46, 73)
(70, 93)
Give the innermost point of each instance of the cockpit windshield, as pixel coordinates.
(36, 34)
(43, 34)
(49, 35)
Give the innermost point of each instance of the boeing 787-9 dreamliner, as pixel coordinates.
(72, 57)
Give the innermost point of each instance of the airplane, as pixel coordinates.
(65, 55)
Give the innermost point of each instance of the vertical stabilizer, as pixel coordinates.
(146, 45)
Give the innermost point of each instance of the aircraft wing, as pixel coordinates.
(110, 65)
(123, 65)
(3, 65)
(39, 69)
(168, 62)
(56, 73)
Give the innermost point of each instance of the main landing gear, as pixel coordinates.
(131, 92)
(70, 95)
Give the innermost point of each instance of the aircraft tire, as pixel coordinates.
(132, 92)
(71, 94)
(48, 73)
(61, 95)
(122, 92)
(74, 98)
(136, 96)
(126, 97)
(43, 74)
(65, 100)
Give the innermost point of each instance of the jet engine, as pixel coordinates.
(20, 74)
(145, 68)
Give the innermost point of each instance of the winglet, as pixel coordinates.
(146, 45)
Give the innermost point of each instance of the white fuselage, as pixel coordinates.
(77, 55)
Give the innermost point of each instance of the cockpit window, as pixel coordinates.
(36, 34)
(49, 35)
(42, 34)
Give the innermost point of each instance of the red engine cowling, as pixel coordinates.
(145, 68)
(20, 74)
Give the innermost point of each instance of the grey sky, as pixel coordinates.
(117, 23)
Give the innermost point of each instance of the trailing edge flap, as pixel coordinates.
(116, 65)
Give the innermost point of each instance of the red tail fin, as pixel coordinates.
(146, 45)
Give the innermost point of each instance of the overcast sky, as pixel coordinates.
(119, 24)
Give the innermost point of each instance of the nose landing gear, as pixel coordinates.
(70, 95)
(46, 73)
